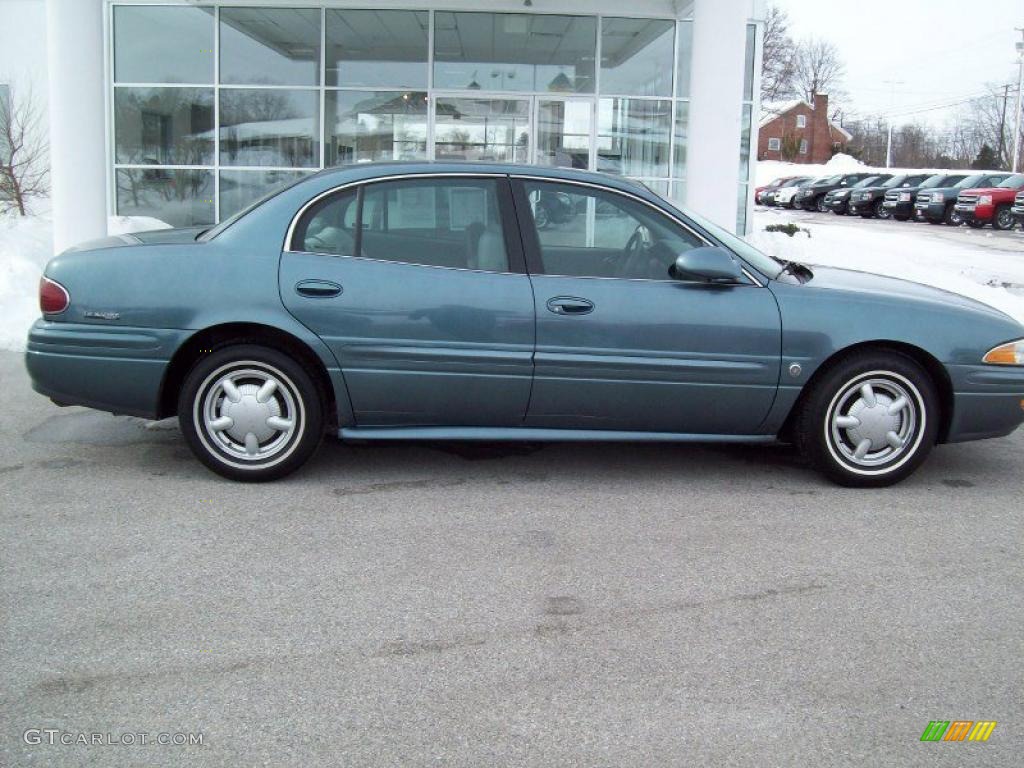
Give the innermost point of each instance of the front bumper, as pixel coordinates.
(861, 206)
(900, 207)
(976, 213)
(1018, 214)
(988, 401)
(838, 204)
(930, 211)
(109, 368)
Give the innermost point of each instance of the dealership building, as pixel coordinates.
(188, 111)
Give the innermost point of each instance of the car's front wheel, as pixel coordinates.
(250, 413)
(820, 205)
(1003, 218)
(881, 211)
(870, 421)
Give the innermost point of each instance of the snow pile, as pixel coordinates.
(970, 268)
(26, 245)
(767, 171)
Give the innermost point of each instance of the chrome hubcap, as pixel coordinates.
(250, 411)
(873, 421)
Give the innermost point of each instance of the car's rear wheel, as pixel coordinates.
(881, 211)
(870, 421)
(250, 413)
(1003, 218)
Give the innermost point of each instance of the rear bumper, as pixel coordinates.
(109, 368)
(988, 401)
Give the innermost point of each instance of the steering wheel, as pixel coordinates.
(636, 253)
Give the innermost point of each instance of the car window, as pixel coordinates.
(433, 222)
(587, 232)
(328, 226)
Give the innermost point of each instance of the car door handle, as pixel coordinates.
(317, 289)
(570, 305)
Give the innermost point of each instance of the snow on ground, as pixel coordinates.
(974, 263)
(26, 244)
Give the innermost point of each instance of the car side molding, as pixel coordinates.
(541, 434)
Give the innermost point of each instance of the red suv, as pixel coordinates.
(991, 205)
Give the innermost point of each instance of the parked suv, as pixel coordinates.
(1018, 209)
(990, 205)
(938, 204)
(784, 195)
(870, 201)
(812, 197)
(900, 202)
(838, 200)
(759, 192)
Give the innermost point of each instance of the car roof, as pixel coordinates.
(363, 171)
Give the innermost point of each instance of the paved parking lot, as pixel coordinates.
(496, 605)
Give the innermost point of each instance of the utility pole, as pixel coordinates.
(1002, 124)
(892, 104)
(1020, 89)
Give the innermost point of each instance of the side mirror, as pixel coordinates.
(708, 264)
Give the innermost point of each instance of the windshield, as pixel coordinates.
(970, 181)
(866, 182)
(831, 180)
(1015, 181)
(212, 233)
(933, 181)
(895, 181)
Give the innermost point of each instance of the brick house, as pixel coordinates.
(800, 133)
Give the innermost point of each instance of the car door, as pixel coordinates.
(418, 286)
(621, 344)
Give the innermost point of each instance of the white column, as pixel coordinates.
(74, 41)
(716, 107)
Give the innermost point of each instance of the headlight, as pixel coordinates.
(1010, 353)
(938, 197)
(985, 200)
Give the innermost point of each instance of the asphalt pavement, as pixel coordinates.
(412, 605)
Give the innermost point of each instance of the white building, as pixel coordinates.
(186, 111)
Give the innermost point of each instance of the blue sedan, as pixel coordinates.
(499, 302)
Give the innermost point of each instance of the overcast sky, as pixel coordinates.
(943, 50)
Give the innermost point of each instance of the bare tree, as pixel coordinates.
(24, 169)
(778, 56)
(818, 68)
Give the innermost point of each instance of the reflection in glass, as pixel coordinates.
(163, 44)
(270, 46)
(482, 129)
(515, 52)
(240, 188)
(681, 130)
(637, 56)
(365, 125)
(163, 126)
(176, 197)
(685, 59)
(678, 192)
(748, 65)
(269, 128)
(563, 133)
(741, 210)
(377, 48)
(633, 136)
(745, 143)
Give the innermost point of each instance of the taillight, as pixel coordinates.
(53, 297)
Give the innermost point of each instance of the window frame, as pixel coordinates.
(801, 121)
(531, 240)
(777, 142)
(511, 233)
(804, 147)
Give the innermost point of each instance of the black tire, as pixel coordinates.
(1003, 220)
(951, 217)
(295, 400)
(838, 393)
(819, 204)
(881, 211)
